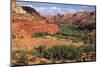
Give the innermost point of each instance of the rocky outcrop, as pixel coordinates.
(30, 10)
(77, 18)
(27, 21)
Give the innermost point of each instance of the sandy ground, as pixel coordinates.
(48, 41)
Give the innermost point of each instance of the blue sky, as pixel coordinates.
(53, 9)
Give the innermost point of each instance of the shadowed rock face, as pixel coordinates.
(30, 10)
(89, 26)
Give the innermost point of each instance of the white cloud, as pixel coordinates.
(28, 5)
(84, 6)
(55, 10)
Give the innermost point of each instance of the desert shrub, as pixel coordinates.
(85, 39)
(73, 52)
(67, 28)
(88, 48)
(23, 52)
(74, 32)
(71, 30)
(38, 34)
(22, 60)
(94, 41)
(39, 50)
(67, 52)
(61, 36)
(48, 54)
(62, 52)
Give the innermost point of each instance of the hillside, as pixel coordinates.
(30, 22)
(77, 18)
